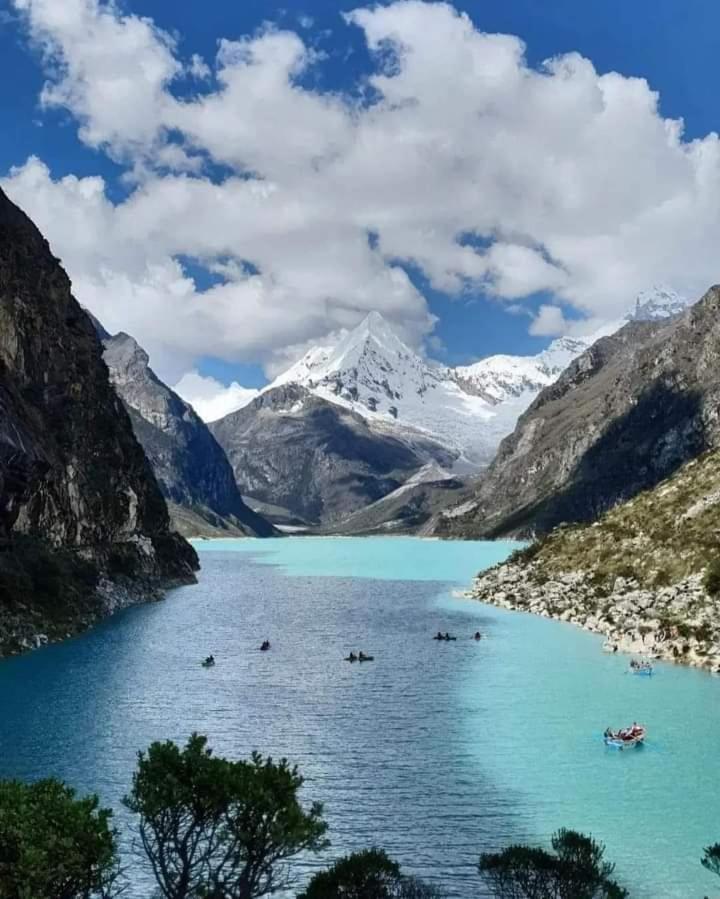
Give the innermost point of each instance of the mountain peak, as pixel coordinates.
(374, 327)
(657, 302)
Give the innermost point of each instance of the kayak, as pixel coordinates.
(444, 639)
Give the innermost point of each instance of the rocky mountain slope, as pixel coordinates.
(623, 416)
(373, 373)
(318, 459)
(646, 575)
(191, 468)
(84, 528)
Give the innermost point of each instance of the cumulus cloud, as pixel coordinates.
(470, 166)
(549, 322)
(210, 398)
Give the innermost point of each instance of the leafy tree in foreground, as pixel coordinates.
(369, 874)
(53, 845)
(220, 829)
(574, 870)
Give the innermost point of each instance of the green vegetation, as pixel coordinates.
(575, 869)
(370, 874)
(219, 829)
(53, 845)
(216, 828)
(656, 539)
(711, 859)
(711, 580)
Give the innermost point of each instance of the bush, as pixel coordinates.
(526, 554)
(574, 870)
(370, 874)
(217, 828)
(711, 580)
(53, 844)
(711, 859)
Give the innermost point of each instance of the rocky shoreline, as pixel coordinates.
(26, 628)
(678, 623)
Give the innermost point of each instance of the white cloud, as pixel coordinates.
(549, 322)
(580, 185)
(211, 399)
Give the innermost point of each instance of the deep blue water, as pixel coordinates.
(434, 751)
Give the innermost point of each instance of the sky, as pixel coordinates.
(234, 182)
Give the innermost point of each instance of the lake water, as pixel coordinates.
(434, 751)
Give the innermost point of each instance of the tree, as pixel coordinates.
(369, 874)
(53, 845)
(711, 859)
(574, 870)
(216, 828)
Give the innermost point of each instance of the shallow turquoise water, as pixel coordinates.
(436, 751)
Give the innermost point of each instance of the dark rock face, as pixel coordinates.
(624, 416)
(73, 479)
(316, 459)
(191, 468)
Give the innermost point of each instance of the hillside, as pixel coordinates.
(625, 415)
(191, 468)
(318, 460)
(84, 528)
(646, 575)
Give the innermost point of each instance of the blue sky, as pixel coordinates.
(672, 45)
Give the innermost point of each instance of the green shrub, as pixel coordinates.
(53, 844)
(526, 554)
(711, 580)
(369, 874)
(208, 821)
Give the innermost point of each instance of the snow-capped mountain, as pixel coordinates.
(501, 378)
(470, 408)
(657, 303)
(374, 373)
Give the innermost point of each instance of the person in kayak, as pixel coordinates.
(478, 635)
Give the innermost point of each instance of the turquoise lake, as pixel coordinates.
(436, 752)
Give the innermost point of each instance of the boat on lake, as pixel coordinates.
(642, 668)
(626, 738)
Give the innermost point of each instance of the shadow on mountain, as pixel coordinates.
(658, 435)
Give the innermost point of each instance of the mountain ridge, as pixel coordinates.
(84, 529)
(191, 468)
(628, 411)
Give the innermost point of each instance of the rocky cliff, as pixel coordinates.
(191, 468)
(316, 459)
(625, 415)
(83, 525)
(646, 575)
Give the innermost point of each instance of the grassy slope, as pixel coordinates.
(657, 538)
